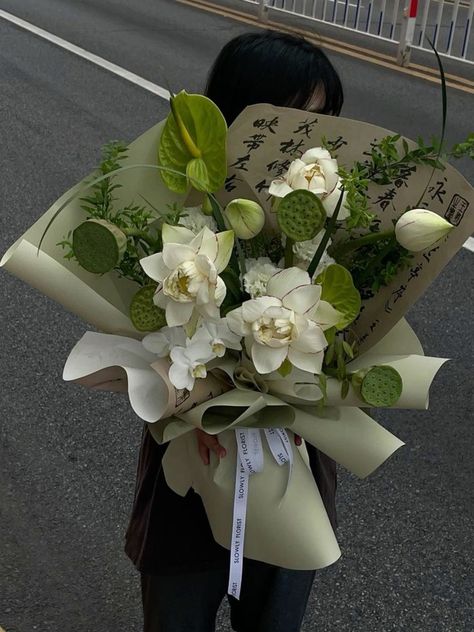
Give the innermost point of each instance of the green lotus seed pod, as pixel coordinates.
(301, 215)
(381, 386)
(98, 245)
(144, 314)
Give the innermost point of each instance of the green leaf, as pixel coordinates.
(195, 129)
(338, 289)
(285, 368)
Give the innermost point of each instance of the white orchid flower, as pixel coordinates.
(284, 324)
(189, 363)
(420, 228)
(161, 342)
(218, 336)
(315, 171)
(187, 271)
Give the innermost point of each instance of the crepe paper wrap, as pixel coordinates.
(287, 527)
(103, 301)
(276, 136)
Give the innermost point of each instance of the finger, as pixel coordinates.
(203, 452)
(216, 447)
(298, 440)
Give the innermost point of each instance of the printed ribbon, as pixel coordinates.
(250, 460)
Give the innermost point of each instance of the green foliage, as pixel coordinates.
(464, 149)
(195, 132)
(338, 354)
(338, 289)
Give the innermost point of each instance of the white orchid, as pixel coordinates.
(420, 228)
(259, 271)
(161, 342)
(187, 271)
(189, 363)
(315, 171)
(218, 336)
(285, 323)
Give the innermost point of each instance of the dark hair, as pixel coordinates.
(276, 68)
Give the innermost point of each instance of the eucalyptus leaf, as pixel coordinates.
(195, 130)
(338, 289)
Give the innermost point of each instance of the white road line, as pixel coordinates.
(111, 67)
(81, 52)
(469, 244)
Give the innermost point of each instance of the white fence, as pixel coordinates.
(411, 23)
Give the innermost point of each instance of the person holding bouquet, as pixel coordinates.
(184, 581)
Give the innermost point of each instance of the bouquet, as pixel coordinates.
(252, 282)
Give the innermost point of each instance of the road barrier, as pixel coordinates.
(447, 23)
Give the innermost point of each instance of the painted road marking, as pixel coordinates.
(111, 67)
(81, 52)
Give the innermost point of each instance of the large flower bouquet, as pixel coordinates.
(252, 282)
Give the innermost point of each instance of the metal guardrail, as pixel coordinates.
(447, 23)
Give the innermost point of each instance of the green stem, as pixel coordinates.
(134, 232)
(359, 242)
(289, 252)
(327, 235)
(217, 212)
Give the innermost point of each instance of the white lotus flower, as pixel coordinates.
(194, 219)
(420, 228)
(189, 363)
(187, 272)
(284, 324)
(315, 171)
(161, 342)
(259, 272)
(218, 336)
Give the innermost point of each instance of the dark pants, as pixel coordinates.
(272, 600)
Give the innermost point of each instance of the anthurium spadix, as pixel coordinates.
(187, 272)
(285, 324)
(193, 143)
(420, 228)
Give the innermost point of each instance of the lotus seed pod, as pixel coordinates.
(381, 386)
(144, 314)
(301, 215)
(98, 245)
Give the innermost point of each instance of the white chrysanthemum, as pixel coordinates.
(259, 272)
(195, 220)
(304, 252)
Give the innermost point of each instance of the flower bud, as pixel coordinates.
(245, 217)
(419, 229)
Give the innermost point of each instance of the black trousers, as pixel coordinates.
(272, 600)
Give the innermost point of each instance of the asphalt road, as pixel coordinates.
(68, 457)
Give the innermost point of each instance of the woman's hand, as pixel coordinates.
(207, 442)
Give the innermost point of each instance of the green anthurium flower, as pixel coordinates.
(193, 142)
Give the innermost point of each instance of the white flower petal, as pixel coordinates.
(254, 308)
(315, 154)
(267, 359)
(311, 340)
(325, 315)
(176, 234)
(330, 203)
(154, 267)
(219, 292)
(279, 188)
(329, 168)
(176, 254)
(180, 376)
(311, 362)
(236, 322)
(225, 244)
(303, 298)
(178, 313)
(284, 281)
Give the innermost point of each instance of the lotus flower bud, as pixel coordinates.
(245, 217)
(419, 229)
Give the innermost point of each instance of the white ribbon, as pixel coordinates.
(250, 460)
